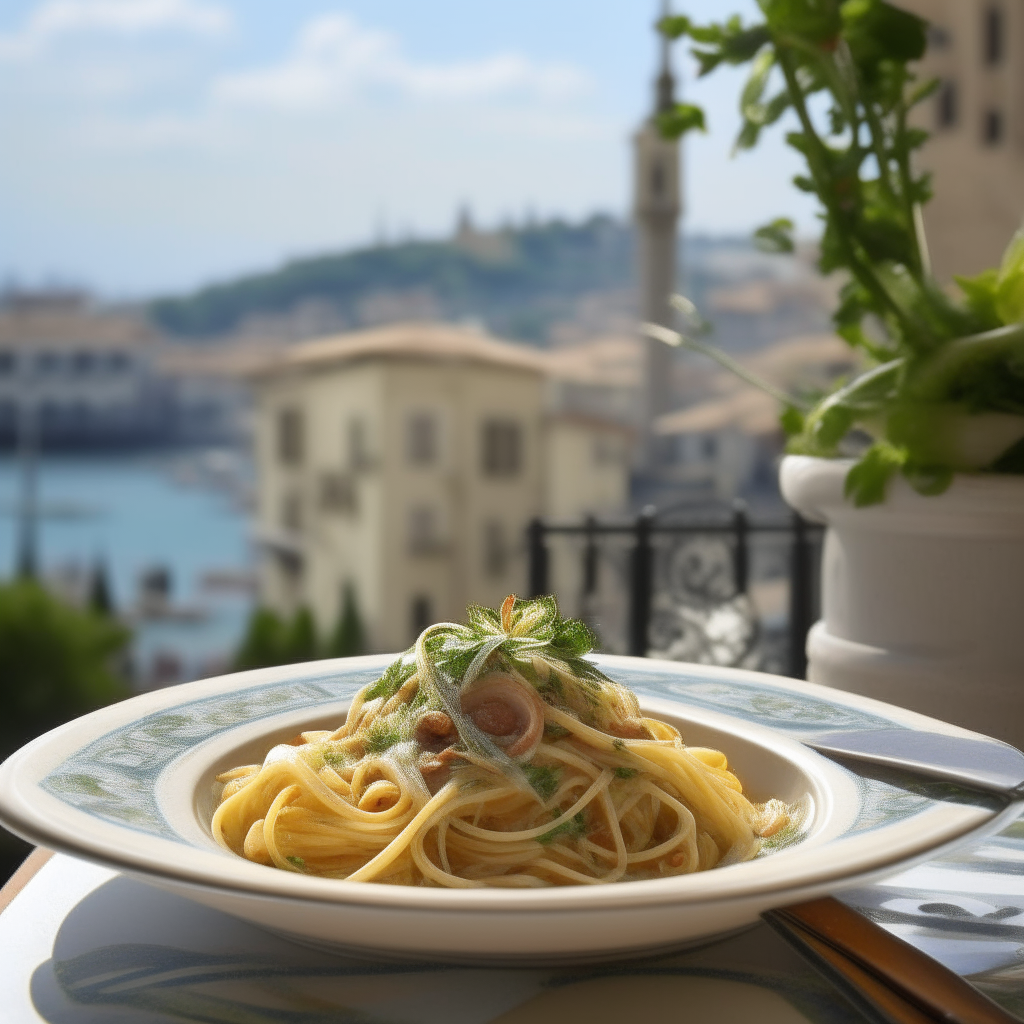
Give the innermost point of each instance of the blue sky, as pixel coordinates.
(152, 145)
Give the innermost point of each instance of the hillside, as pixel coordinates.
(517, 281)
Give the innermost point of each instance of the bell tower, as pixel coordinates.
(656, 209)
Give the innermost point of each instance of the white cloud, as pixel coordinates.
(60, 18)
(334, 58)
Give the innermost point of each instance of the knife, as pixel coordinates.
(887, 979)
(985, 764)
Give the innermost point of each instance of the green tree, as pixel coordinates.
(347, 639)
(263, 643)
(100, 599)
(300, 642)
(270, 640)
(56, 661)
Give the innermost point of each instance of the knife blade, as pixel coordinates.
(985, 764)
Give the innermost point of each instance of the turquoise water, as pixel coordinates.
(185, 512)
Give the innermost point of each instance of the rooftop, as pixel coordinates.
(808, 362)
(431, 342)
(71, 325)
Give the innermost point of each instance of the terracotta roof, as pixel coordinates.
(613, 361)
(808, 360)
(417, 341)
(581, 419)
(749, 411)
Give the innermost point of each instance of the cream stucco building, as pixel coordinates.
(406, 462)
(976, 120)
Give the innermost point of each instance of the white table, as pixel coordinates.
(84, 945)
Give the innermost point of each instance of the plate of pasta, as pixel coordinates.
(496, 793)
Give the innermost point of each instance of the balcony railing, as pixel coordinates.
(657, 586)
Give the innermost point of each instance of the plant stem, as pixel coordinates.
(818, 167)
(674, 338)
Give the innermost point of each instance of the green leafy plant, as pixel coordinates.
(944, 391)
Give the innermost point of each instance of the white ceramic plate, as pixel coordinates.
(132, 787)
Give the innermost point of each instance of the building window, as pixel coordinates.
(938, 38)
(424, 534)
(992, 127)
(495, 549)
(358, 445)
(7, 363)
(946, 102)
(421, 614)
(709, 447)
(290, 437)
(421, 439)
(83, 362)
(291, 512)
(502, 448)
(992, 35)
(338, 493)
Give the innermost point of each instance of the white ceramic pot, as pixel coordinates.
(922, 597)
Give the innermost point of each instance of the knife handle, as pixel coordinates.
(900, 982)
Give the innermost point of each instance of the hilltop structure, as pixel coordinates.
(405, 462)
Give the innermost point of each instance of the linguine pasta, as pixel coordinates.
(493, 754)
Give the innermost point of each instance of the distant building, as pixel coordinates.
(96, 378)
(407, 461)
(976, 152)
(729, 444)
(86, 376)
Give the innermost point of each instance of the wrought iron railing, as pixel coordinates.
(684, 587)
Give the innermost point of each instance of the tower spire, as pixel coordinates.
(665, 83)
(656, 208)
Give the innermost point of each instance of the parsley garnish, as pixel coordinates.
(380, 737)
(575, 827)
(543, 778)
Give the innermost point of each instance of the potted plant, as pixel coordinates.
(917, 465)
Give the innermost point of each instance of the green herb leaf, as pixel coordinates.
(867, 481)
(395, 676)
(382, 735)
(575, 827)
(1009, 298)
(297, 861)
(776, 236)
(792, 420)
(544, 779)
(980, 292)
(622, 772)
(682, 118)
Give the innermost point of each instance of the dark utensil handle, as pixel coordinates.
(901, 983)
